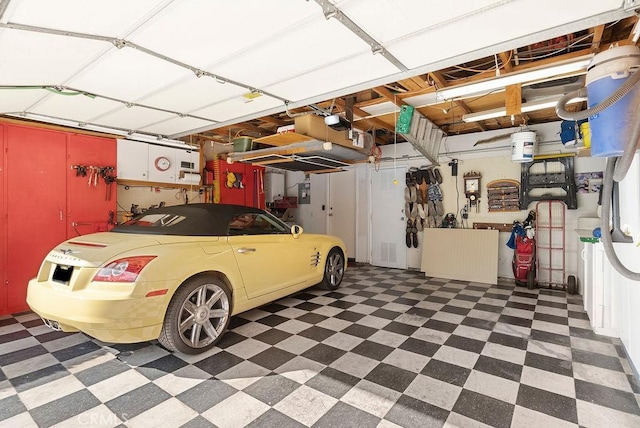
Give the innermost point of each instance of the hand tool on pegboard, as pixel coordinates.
(107, 174)
(91, 173)
(81, 170)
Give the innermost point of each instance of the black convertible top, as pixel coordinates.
(185, 220)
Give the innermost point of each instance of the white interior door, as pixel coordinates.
(388, 223)
(342, 208)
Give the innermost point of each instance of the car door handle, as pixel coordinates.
(246, 250)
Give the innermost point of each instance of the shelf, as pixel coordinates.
(503, 195)
(502, 227)
(283, 139)
(156, 184)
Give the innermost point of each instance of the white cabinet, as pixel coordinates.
(188, 166)
(133, 160)
(612, 301)
(154, 163)
(597, 291)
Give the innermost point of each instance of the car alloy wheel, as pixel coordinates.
(197, 316)
(203, 315)
(333, 270)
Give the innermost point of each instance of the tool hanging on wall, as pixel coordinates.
(234, 180)
(216, 180)
(95, 172)
(81, 170)
(109, 179)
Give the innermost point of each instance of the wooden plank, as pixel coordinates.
(283, 139)
(513, 99)
(502, 227)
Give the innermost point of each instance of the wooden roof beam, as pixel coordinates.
(633, 31)
(389, 96)
(505, 57)
(597, 38)
(442, 83)
(368, 122)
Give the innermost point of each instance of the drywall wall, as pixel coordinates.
(493, 161)
(146, 196)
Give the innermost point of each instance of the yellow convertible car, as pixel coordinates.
(178, 273)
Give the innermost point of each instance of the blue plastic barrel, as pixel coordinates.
(611, 129)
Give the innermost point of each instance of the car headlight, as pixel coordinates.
(123, 270)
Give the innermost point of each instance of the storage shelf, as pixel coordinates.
(503, 195)
(283, 139)
(156, 184)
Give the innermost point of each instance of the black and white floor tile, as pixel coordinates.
(389, 348)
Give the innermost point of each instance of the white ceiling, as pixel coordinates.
(133, 66)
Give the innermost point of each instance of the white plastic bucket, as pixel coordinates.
(611, 129)
(523, 146)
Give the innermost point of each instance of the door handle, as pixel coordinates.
(246, 250)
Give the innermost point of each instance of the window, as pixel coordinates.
(256, 224)
(156, 220)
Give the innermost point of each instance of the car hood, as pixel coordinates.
(94, 249)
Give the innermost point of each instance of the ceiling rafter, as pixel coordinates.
(442, 83)
(597, 38)
(368, 123)
(505, 57)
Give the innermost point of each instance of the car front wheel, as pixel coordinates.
(333, 270)
(197, 316)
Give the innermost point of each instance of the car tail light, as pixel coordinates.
(123, 270)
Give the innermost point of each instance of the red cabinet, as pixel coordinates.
(42, 197)
(240, 183)
(91, 206)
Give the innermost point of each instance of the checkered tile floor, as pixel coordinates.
(389, 348)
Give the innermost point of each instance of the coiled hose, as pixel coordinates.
(616, 167)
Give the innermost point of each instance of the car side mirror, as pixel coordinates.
(296, 230)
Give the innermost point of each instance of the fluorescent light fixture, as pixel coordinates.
(526, 107)
(102, 129)
(161, 141)
(487, 86)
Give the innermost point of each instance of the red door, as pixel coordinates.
(35, 176)
(91, 202)
(3, 228)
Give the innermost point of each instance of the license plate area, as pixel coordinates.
(62, 274)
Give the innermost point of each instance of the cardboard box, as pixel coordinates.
(314, 126)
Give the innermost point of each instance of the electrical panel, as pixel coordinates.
(304, 193)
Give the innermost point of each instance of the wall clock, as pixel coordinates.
(472, 186)
(162, 163)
